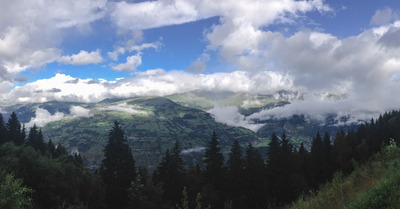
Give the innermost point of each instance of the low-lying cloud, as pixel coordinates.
(42, 117)
(78, 111)
(230, 115)
(126, 108)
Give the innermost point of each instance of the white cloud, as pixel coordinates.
(151, 14)
(230, 115)
(199, 65)
(243, 20)
(124, 107)
(62, 87)
(132, 62)
(30, 32)
(43, 117)
(82, 58)
(384, 16)
(131, 46)
(78, 111)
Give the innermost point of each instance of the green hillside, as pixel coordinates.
(376, 184)
(151, 125)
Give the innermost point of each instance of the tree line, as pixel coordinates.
(48, 177)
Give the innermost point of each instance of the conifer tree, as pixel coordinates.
(2, 130)
(214, 173)
(236, 176)
(35, 139)
(214, 161)
(14, 130)
(51, 148)
(117, 169)
(171, 173)
(328, 157)
(256, 184)
(317, 161)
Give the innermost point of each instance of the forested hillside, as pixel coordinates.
(151, 124)
(43, 175)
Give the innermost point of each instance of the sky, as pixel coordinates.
(90, 50)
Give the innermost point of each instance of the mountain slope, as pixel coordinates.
(151, 125)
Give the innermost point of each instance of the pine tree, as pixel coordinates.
(35, 139)
(256, 184)
(51, 148)
(171, 173)
(60, 150)
(236, 176)
(328, 157)
(273, 152)
(317, 161)
(214, 161)
(14, 131)
(2, 130)
(214, 173)
(117, 169)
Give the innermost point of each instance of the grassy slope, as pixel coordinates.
(373, 185)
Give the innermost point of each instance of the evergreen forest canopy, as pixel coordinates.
(34, 173)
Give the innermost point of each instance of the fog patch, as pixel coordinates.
(127, 108)
(43, 117)
(230, 116)
(196, 149)
(78, 111)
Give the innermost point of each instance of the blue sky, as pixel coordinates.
(90, 50)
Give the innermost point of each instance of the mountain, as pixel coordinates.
(151, 125)
(246, 102)
(299, 128)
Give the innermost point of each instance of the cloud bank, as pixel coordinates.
(62, 87)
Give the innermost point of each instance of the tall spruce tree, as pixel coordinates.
(117, 169)
(14, 131)
(2, 130)
(35, 139)
(171, 173)
(236, 179)
(214, 173)
(214, 161)
(256, 184)
(317, 161)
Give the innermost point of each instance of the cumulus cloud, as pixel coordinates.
(242, 20)
(30, 32)
(82, 58)
(132, 62)
(78, 111)
(43, 117)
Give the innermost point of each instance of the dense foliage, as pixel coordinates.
(46, 176)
